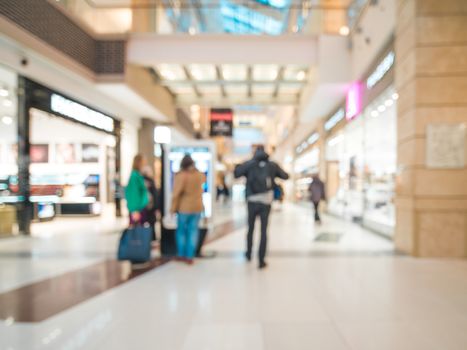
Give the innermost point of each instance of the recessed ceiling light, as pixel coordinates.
(192, 30)
(167, 74)
(265, 72)
(381, 108)
(344, 30)
(395, 96)
(196, 74)
(301, 75)
(374, 114)
(7, 103)
(389, 103)
(173, 72)
(4, 92)
(7, 120)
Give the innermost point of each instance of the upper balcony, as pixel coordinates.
(255, 17)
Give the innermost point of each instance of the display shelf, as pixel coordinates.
(11, 199)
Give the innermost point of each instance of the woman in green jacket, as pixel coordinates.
(136, 193)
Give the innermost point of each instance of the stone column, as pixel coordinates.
(146, 140)
(431, 79)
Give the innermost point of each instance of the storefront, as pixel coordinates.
(10, 200)
(361, 149)
(62, 157)
(344, 166)
(307, 159)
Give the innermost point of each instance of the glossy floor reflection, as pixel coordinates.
(355, 294)
(78, 245)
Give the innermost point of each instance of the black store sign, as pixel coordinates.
(47, 100)
(221, 122)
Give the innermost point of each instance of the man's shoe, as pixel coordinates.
(248, 256)
(262, 265)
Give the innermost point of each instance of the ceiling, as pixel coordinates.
(233, 84)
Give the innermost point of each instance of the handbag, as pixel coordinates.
(170, 221)
(135, 244)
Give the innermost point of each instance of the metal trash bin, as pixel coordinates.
(7, 219)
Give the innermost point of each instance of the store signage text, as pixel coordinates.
(380, 71)
(221, 122)
(334, 119)
(353, 106)
(308, 142)
(80, 113)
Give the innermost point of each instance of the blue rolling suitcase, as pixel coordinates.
(135, 244)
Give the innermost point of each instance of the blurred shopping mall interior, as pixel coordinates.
(368, 95)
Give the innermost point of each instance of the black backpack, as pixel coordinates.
(260, 179)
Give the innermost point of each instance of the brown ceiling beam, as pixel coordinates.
(192, 81)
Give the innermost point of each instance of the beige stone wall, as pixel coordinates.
(431, 78)
(146, 140)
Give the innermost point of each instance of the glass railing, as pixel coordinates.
(255, 17)
(354, 10)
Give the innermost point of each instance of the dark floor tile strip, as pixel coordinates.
(38, 301)
(226, 228)
(41, 300)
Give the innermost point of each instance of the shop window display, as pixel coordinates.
(380, 162)
(344, 154)
(69, 171)
(361, 166)
(9, 198)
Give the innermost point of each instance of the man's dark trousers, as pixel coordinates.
(262, 210)
(316, 206)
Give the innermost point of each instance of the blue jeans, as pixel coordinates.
(187, 234)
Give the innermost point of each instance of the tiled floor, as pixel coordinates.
(293, 233)
(351, 295)
(68, 244)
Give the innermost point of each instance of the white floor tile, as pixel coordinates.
(384, 336)
(302, 336)
(230, 336)
(348, 295)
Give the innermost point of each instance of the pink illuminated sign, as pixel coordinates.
(353, 106)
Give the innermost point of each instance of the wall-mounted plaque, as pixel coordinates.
(445, 146)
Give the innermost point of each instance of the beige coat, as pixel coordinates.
(188, 192)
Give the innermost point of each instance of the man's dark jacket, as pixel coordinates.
(248, 167)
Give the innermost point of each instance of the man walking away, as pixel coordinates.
(260, 173)
(317, 194)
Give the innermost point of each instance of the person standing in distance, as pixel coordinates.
(260, 173)
(318, 194)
